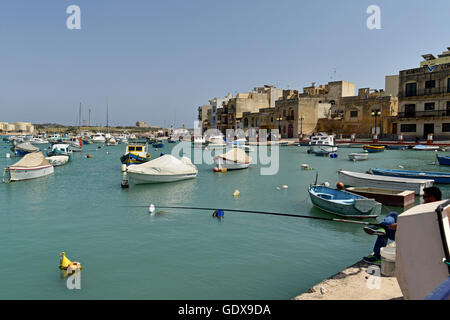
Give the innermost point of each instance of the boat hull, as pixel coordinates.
(344, 208)
(140, 178)
(130, 159)
(374, 149)
(230, 165)
(437, 177)
(356, 179)
(443, 161)
(322, 149)
(358, 156)
(387, 197)
(20, 174)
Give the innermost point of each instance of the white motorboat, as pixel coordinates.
(322, 143)
(57, 160)
(98, 138)
(358, 156)
(31, 166)
(166, 168)
(356, 179)
(38, 140)
(110, 140)
(234, 159)
(54, 138)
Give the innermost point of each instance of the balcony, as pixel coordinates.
(424, 114)
(290, 118)
(424, 92)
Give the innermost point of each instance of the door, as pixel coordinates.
(427, 129)
(394, 128)
(290, 131)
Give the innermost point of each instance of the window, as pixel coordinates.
(353, 114)
(448, 85)
(408, 128)
(430, 84)
(131, 149)
(446, 127)
(429, 106)
(271, 119)
(411, 89)
(447, 113)
(410, 110)
(139, 149)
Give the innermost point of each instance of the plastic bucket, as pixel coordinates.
(388, 261)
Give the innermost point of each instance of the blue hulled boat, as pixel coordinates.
(390, 147)
(443, 160)
(343, 203)
(438, 177)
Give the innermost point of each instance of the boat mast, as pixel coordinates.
(79, 119)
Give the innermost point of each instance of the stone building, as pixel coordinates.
(17, 127)
(204, 115)
(141, 124)
(217, 103)
(424, 99)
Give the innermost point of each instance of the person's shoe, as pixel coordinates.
(372, 260)
(375, 232)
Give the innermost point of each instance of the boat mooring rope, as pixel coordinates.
(260, 212)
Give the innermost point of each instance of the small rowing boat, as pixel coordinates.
(437, 177)
(373, 149)
(443, 160)
(358, 156)
(391, 147)
(426, 148)
(356, 179)
(388, 197)
(343, 203)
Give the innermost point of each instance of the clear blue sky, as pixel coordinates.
(153, 59)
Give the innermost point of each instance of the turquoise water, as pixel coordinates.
(128, 254)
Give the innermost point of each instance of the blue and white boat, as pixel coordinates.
(343, 203)
(443, 160)
(426, 148)
(60, 149)
(438, 177)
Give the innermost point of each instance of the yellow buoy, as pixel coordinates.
(64, 263)
(236, 193)
(224, 170)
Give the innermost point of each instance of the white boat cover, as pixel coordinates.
(57, 160)
(31, 160)
(236, 155)
(165, 165)
(28, 147)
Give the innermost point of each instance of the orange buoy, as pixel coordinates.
(215, 169)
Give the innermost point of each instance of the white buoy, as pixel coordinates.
(151, 209)
(8, 156)
(326, 184)
(285, 187)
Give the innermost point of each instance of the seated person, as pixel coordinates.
(388, 227)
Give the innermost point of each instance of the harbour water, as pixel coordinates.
(128, 254)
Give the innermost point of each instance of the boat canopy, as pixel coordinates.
(165, 165)
(236, 155)
(31, 160)
(28, 147)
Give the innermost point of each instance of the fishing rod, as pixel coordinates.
(152, 210)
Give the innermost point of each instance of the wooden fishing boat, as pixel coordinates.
(443, 160)
(437, 177)
(388, 197)
(356, 179)
(373, 149)
(358, 156)
(343, 203)
(136, 153)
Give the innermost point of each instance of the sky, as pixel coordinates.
(157, 61)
